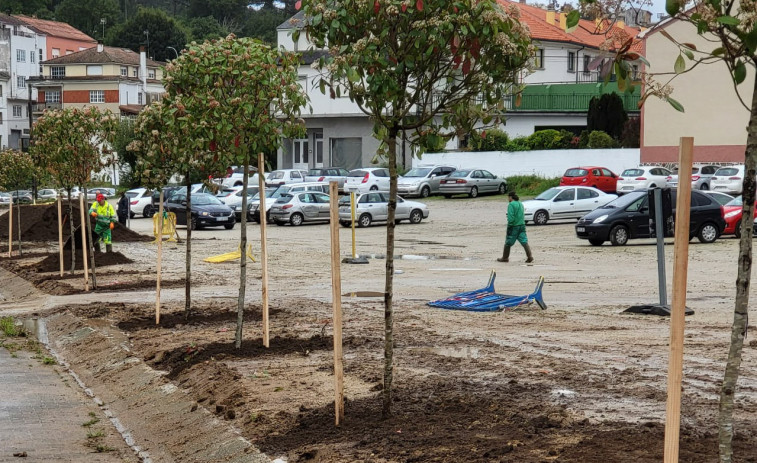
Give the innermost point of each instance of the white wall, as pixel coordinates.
(551, 163)
(555, 67)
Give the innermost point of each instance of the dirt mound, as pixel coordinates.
(102, 259)
(40, 223)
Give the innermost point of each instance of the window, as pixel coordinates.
(539, 58)
(40, 55)
(295, 174)
(139, 98)
(571, 61)
(68, 52)
(20, 82)
(151, 73)
(1, 90)
(134, 72)
(56, 52)
(584, 193)
(18, 110)
(52, 96)
(97, 96)
(566, 195)
(31, 56)
(124, 71)
(58, 72)
(1, 118)
(21, 56)
(587, 60)
(94, 70)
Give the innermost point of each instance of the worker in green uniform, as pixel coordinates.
(516, 229)
(105, 217)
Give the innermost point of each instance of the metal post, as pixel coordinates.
(352, 211)
(659, 231)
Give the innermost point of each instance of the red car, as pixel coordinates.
(732, 215)
(600, 178)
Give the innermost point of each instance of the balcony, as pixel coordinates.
(38, 108)
(567, 97)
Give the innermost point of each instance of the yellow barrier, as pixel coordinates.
(169, 226)
(230, 256)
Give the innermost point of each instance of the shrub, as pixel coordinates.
(599, 139)
(488, 140)
(631, 137)
(518, 144)
(583, 139)
(550, 139)
(530, 185)
(607, 114)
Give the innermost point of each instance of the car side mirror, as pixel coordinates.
(433, 175)
(644, 209)
(183, 203)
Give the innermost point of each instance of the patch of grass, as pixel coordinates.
(95, 434)
(9, 328)
(278, 389)
(102, 448)
(530, 185)
(93, 420)
(48, 360)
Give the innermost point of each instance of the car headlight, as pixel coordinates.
(732, 214)
(237, 208)
(204, 214)
(601, 218)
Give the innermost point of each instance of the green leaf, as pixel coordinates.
(571, 21)
(689, 54)
(672, 7)
(739, 72)
(352, 75)
(680, 65)
(718, 51)
(675, 104)
(322, 85)
(728, 20)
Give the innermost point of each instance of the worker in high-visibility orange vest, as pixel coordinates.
(105, 217)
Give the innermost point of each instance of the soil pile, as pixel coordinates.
(102, 259)
(40, 223)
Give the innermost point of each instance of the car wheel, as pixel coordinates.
(737, 230)
(148, 211)
(345, 224)
(194, 224)
(425, 191)
(397, 221)
(374, 188)
(256, 219)
(296, 219)
(229, 226)
(596, 242)
(652, 186)
(473, 192)
(132, 215)
(238, 184)
(541, 217)
(364, 220)
(416, 216)
(502, 188)
(619, 235)
(708, 233)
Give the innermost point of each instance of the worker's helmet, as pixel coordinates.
(100, 197)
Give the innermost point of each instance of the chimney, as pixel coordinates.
(99, 47)
(563, 21)
(551, 16)
(143, 68)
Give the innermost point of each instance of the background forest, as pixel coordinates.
(160, 24)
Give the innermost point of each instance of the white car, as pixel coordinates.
(138, 199)
(48, 193)
(422, 180)
(728, 180)
(374, 207)
(367, 179)
(226, 193)
(327, 174)
(285, 177)
(564, 202)
(236, 178)
(642, 178)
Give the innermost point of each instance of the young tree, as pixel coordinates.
(607, 114)
(162, 32)
(428, 69)
(237, 97)
(16, 171)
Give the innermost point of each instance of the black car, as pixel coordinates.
(207, 210)
(152, 208)
(628, 217)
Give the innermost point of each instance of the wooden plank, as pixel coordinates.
(60, 231)
(10, 227)
(84, 217)
(336, 296)
(263, 250)
(160, 259)
(678, 307)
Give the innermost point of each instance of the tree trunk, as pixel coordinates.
(188, 282)
(73, 232)
(389, 284)
(243, 255)
(91, 245)
(743, 278)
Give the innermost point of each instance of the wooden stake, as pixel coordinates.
(263, 249)
(678, 307)
(83, 215)
(160, 258)
(336, 295)
(60, 231)
(10, 227)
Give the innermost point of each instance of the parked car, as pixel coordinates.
(139, 200)
(285, 177)
(206, 211)
(423, 180)
(225, 192)
(471, 182)
(732, 212)
(721, 198)
(628, 218)
(374, 207)
(642, 178)
(284, 189)
(236, 177)
(22, 196)
(600, 178)
(328, 175)
(5, 198)
(155, 200)
(252, 205)
(367, 179)
(235, 197)
(700, 177)
(235, 201)
(728, 180)
(47, 193)
(297, 208)
(564, 202)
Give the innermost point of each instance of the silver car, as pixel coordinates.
(297, 208)
(700, 177)
(328, 175)
(422, 180)
(471, 182)
(374, 207)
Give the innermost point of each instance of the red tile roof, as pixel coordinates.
(55, 28)
(107, 55)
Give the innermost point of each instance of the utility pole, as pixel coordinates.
(103, 21)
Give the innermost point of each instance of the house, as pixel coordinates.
(713, 113)
(62, 38)
(116, 79)
(557, 92)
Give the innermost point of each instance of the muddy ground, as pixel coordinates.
(579, 382)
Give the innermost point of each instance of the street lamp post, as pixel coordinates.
(103, 21)
(174, 50)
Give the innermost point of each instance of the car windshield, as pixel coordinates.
(204, 199)
(317, 172)
(285, 198)
(268, 193)
(417, 172)
(357, 173)
(575, 173)
(459, 173)
(549, 194)
(275, 175)
(735, 202)
(632, 173)
(727, 171)
(624, 200)
(132, 194)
